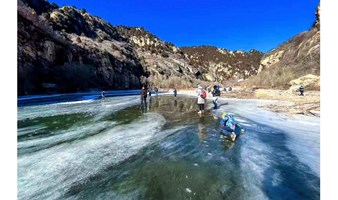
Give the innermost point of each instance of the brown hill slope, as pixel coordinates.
(295, 58)
(218, 64)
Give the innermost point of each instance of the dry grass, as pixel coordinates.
(305, 105)
(172, 82)
(277, 78)
(183, 82)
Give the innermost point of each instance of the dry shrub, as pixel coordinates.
(313, 87)
(172, 82)
(275, 77)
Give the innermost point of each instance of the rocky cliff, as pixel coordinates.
(296, 57)
(164, 63)
(65, 49)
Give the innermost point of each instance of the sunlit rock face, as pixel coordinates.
(71, 50)
(74, 51)
(302, 52)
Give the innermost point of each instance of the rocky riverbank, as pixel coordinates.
(290, 101)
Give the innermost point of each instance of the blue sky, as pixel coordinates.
(230, 24)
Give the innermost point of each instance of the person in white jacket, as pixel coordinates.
(201, 95)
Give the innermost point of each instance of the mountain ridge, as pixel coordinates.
(65, 49)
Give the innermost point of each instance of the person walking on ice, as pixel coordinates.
(143, 95)
(216, 93)
(201, 96)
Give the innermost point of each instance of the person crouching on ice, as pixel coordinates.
(228, 124)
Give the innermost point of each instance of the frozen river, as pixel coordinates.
(84, 147)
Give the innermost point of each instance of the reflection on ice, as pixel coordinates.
(60, 137)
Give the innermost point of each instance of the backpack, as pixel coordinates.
(204, 94)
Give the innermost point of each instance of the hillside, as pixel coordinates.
(218, 64)
(295, 58)
(65, 49)
(69, 50)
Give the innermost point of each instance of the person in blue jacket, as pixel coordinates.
(228, 123)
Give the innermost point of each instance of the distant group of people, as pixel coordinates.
(201, 95)
(144, 95)
(227, 122)
(229, 89)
